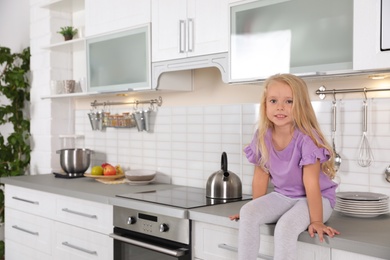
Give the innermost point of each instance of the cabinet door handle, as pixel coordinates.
(235, 249)
(182, 36)
(24, 200)
(79, 213)
(190, 35)
(25, 230)
(79, 248)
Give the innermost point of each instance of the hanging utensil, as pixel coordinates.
(337, 157)
(387, 173)
(365, 154)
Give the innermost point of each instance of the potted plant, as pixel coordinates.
(15, 149)
(68, 32)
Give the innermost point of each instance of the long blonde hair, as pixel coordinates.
(304, 119)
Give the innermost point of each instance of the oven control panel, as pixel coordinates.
(158, 225)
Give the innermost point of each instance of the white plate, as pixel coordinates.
(363, 211)
(364, 205)
(361, 196)
(361, 215)
(138, 182)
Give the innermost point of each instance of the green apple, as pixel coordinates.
(97, 170)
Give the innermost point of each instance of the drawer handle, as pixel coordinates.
(79, 248)
(25, 230)
(79, 213)
(24, 200)
(234, 249)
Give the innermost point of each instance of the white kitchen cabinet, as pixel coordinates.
(104, 16)
(220, 243)
(343, 255)
(276, 36)
(51, 226)
(30, 201)
(85, 214)
(367, 53)
(28, 230)
(15, 250)
(212, 242)
(70, 242)
(312, 252)
(187, 28)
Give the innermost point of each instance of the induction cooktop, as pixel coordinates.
(181, 197)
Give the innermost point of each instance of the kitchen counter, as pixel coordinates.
(367, 236)
(92, 190)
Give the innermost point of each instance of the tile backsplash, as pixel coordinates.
(185, 143)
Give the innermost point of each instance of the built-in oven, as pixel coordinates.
(145, 236)
(140, 235)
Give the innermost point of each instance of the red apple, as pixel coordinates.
(109, 170)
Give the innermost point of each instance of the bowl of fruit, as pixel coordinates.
(106, 171)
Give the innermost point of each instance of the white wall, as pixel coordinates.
(14, 34)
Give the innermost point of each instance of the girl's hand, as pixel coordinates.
(235, 217)
(321, 229)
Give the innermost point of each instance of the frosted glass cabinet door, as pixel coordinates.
(119, 61)
(297, 36)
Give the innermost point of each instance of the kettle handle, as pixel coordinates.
(224, 164)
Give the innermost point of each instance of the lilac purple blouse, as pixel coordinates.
(286, 166)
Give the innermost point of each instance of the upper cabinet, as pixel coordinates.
(119, 61)
(303, 37)
(328, 38)
(104, 16)
(367, 36)
(188, 28)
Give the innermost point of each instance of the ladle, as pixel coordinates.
(337, 157)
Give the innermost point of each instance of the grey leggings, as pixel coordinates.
(291, 217)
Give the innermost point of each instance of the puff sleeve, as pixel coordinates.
(311, 153)
(252, 152)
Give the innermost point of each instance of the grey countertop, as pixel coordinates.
(367, 236)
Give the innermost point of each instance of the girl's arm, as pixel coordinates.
(259, 182)
(259, 186)
(311, 181)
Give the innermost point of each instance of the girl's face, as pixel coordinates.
(279, 104)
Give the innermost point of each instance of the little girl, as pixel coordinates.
(290, 150)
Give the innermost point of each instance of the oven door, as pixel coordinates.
(130, 245)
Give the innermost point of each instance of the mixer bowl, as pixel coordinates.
(75, 160)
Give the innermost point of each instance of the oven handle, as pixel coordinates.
(176, 253)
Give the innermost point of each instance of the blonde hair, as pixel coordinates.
(304, 119)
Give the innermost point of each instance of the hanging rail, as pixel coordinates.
(321, 91)
(135, 102)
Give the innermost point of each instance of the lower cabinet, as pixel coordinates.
(213, 242)
(343, 255)
(32, 233)
(67, 229)
(70, 242)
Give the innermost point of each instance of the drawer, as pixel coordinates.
(217, 242)
(28, 230)
(14, 250)
(76, 243)
(30, 201)
(86, 214)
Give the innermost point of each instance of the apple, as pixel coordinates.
(109, 170)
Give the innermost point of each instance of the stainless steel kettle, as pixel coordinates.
(224, 184)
